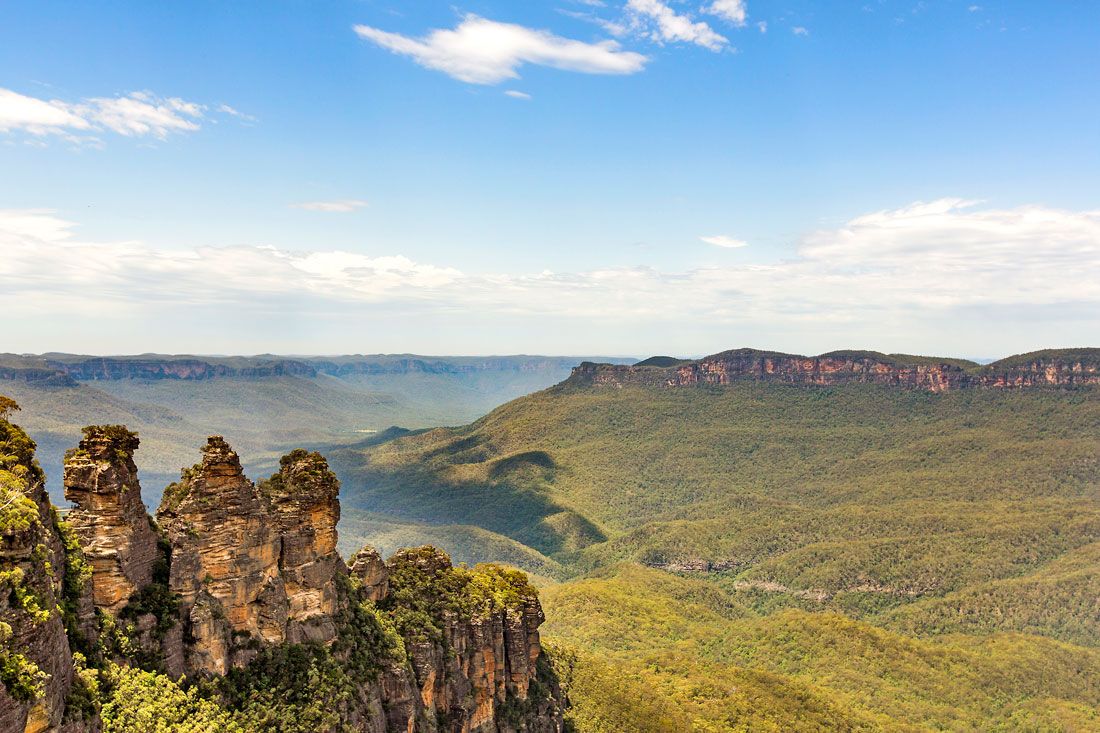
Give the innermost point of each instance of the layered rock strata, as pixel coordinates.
(225, 561)
(108, 515)
(235, 570)
(1054, 369)
(476, 663)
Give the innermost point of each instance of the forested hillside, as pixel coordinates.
(265, 404)
(763, 556)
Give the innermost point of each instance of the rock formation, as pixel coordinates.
(303, 496)
(108, 515)
(470, 666)
(368, 567)
(1054, 368)
(234, 573)
(225, 561)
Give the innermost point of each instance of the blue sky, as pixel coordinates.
(618, 177)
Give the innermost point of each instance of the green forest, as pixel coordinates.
(775, 557)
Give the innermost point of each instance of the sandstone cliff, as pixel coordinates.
(239, 588)
(225, 562)
(1052, 368)
(108, 515)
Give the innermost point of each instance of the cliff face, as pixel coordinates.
(838, 368)
(108, 515)
(477, 668)
(303, 496)
(227, 547)
(235, 579)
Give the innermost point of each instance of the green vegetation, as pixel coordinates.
(426, 591)
(773, 557)
(78, 572)
(21, 607)
(662, 362)
(152, 702)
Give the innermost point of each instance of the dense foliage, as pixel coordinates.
(427, 592)
(784, 557)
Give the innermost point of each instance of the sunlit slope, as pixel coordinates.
(768, 557)
(648, 651)
(263, 416)
(884, 493)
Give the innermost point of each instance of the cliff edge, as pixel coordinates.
(233, 609)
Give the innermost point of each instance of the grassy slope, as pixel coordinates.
(880, 558)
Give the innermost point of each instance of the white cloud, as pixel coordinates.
(136, 114)
(516, 94)
(732, 10)
(36, 116)
(721, 240)
(762, 26)
(659, 22)
(800, 31)
(339, 206)
(226, 109)
(931, 265)
(141, 114)
(481, 51)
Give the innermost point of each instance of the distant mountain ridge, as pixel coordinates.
(67, 369)
(1052, 367)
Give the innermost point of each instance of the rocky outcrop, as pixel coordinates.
(368, 567)
(1053, 368)
(238, 575)
(477, 663)
(303, 496)
(225, 562)
(108, 515)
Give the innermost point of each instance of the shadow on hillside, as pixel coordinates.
(511, 500)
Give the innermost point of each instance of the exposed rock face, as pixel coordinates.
(1059, 369)
(303, 496)
(225, 561)
(249, 568)
(477, 674)
(109, 517)
(367, 565)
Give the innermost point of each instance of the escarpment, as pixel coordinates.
(1069, 368)
(238, 593)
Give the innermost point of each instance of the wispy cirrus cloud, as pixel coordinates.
(137, 114)
(482, 51)
(338, 206)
